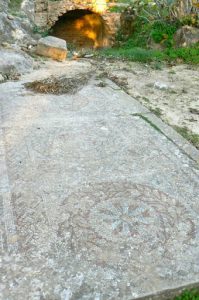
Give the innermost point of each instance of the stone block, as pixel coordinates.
(52, 47)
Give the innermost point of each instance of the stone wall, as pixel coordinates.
(47, 12)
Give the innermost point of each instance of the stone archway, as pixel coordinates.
(82, 28)
(48, 13)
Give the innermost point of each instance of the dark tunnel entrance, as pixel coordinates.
(82, 28)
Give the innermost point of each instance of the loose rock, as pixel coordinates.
(52, 47)
(10, 17)
(161, 85)
(186, 36)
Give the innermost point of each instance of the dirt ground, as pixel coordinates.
(172, 93)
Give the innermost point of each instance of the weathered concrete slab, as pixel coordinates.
(96, 203)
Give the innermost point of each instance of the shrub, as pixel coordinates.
(162, 32)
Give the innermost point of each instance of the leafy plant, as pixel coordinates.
(154, 9)
(162, 32)
(149, 25)
(162, 9)
(141, 35)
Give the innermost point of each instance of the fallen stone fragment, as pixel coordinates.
(52, 47)
(161, 85)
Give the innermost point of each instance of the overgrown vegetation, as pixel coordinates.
(15, 5)
(188, 295)
(134, 54)
(186, 55)
(153, 25)
(162, 32)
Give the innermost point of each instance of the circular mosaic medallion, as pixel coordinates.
(125, 213)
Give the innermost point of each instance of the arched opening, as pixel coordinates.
(82, 28)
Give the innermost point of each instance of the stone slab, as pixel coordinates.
(52, 47)
(15, 61)
(103, 205)
(171, 134)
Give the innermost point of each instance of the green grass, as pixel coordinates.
(191, 137)
(132, 54)
(15, 5)
(187, 55)
(188, 295)
(149, 122)
(137, 46)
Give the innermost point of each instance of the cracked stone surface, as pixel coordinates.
(95, 203)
